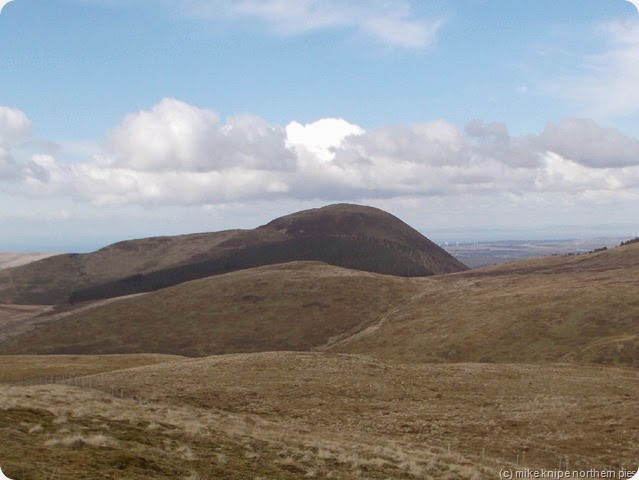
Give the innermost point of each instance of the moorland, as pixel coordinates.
(380, 357)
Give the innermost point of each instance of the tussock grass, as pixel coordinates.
(320, 415)
(79, 441)
(155, 439)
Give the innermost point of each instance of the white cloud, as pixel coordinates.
(587, 143)
(429, 143)
(171, 134)
(391, 23)
(320, 139)
(174, 135)
(561, 174)
(177, 154)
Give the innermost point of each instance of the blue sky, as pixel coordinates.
(466, 118)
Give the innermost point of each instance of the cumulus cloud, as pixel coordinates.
(178, 154)
(391, 23)
(174, 135)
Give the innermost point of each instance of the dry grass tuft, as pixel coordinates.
(79, 441)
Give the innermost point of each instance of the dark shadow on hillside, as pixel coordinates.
(367, 254)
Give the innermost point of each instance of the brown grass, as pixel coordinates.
(570, 309)
(317, 415)
(502, 409)
(294, 306)
(103, 437)
(24, 368)
(15, 319)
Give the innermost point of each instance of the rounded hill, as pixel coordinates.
(350, 236)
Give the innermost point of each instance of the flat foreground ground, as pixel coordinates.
(312, 415)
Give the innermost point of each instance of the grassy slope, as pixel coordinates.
(15, 319)
(290, 415)
(583, 308)
(571, 308)
(28, 368)
(53, 279)
(295, 306)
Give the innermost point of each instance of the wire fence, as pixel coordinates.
(90, 382)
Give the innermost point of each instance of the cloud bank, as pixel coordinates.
(176, 154)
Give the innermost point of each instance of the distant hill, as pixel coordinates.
(351, 236)
(571, 308)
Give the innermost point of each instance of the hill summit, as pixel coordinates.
(350, 236)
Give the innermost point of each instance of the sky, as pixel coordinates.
(467, 119)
